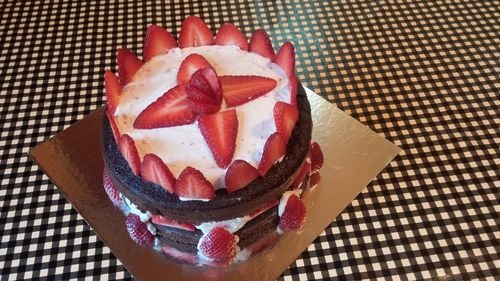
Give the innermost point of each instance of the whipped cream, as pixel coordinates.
(183, 146)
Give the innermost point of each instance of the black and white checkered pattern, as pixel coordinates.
(424, 74)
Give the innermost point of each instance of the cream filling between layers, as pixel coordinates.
(183, 146)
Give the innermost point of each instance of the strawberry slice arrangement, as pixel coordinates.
(192, 184)
(154, 170)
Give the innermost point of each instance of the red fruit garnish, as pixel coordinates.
(171, 109)
(316, 156)
(219, 131)
(190, 65)
(154, 170)
(183, 256)
(194, 33)
(158, 41)
(302, 175)
(274, 149)
(261, 44)
(294, 214)
(192, 184)
(230, 35)
(204, 91)
(114, 127)
(239, 175)
(138, 230)
(162, 220)
(111, 190)
(113, 90)
(130, 153)
(314, 179)
(286, 58)
(285, 117)
(218, 244)
(242, 89)
(128, 64)
(292, 86)
(265, 208)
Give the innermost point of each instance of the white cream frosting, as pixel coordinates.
(183, 146)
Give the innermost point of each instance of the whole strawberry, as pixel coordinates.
(111, 190)
(138, 230)
(218, 244)
(294, 214)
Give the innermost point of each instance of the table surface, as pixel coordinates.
(424, 74)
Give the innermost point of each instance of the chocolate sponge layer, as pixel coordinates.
(155, 199)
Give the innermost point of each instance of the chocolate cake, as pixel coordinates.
(208, 157)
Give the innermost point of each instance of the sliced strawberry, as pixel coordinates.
(138, 230)
(130, 153)
(204, 91)
(113, 90)
(238, 90)
(285, 117)
(128, 64)
(171, 109)
(154, 170)
(111, 190)
(239, 175)
(218, 244)
(192, 184)
(114, 127)
(286, 58)
(179, 255)
(158, 41)
(219, 131)
(314, 179)
(292, 86)
(304, 170)
(316, 156)
(230, 35)
(268, 206)
(274, 149)
(194, 33)
(162, 220)
(190, 65)
(294, 214)
(261, 44)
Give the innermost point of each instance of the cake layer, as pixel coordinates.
(155, 199)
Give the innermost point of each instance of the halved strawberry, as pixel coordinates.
(158, 41)
(154, 170)
(138, 230)
(162, 220)
(316, 156)
(194, 33)
(294, 214)
(230, 35)
(171, 109)
(111, 190)
(292, 86)
(286, 58)
(238, 90)
(130, 153)
(204, 91)
(274, 149)
(218, 244)
(306, 168)
(128, 64)
(285, 117)
(261, 44)
(114, 127)
(192, 184)
(219, 131)
(268, 206)
(239, 175)
(113, 90)
(190, 65)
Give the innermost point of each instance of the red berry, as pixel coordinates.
(293, 216)
(130, 153)
(285, 117)
(138, 230)
(154, 170)
(292, 86)
(239, 175)
(128, 64)
(316, 156)
(194, 33)
(238, 90)
(314, 179)
(219, 131)
(113, 90)
(218, 244)
(190, 65)
(110, 189)
(274, 149)
(158, 41)
(114, 127)
(230, 35)
(261, 44)
(204, 91)
(192, 184)
(171, 109)
(286, 58)
(162, 220)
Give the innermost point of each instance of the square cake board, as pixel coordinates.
(353, 154)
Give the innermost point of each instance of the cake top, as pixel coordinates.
(206, 114)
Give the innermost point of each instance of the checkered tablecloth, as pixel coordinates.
(424, 74)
